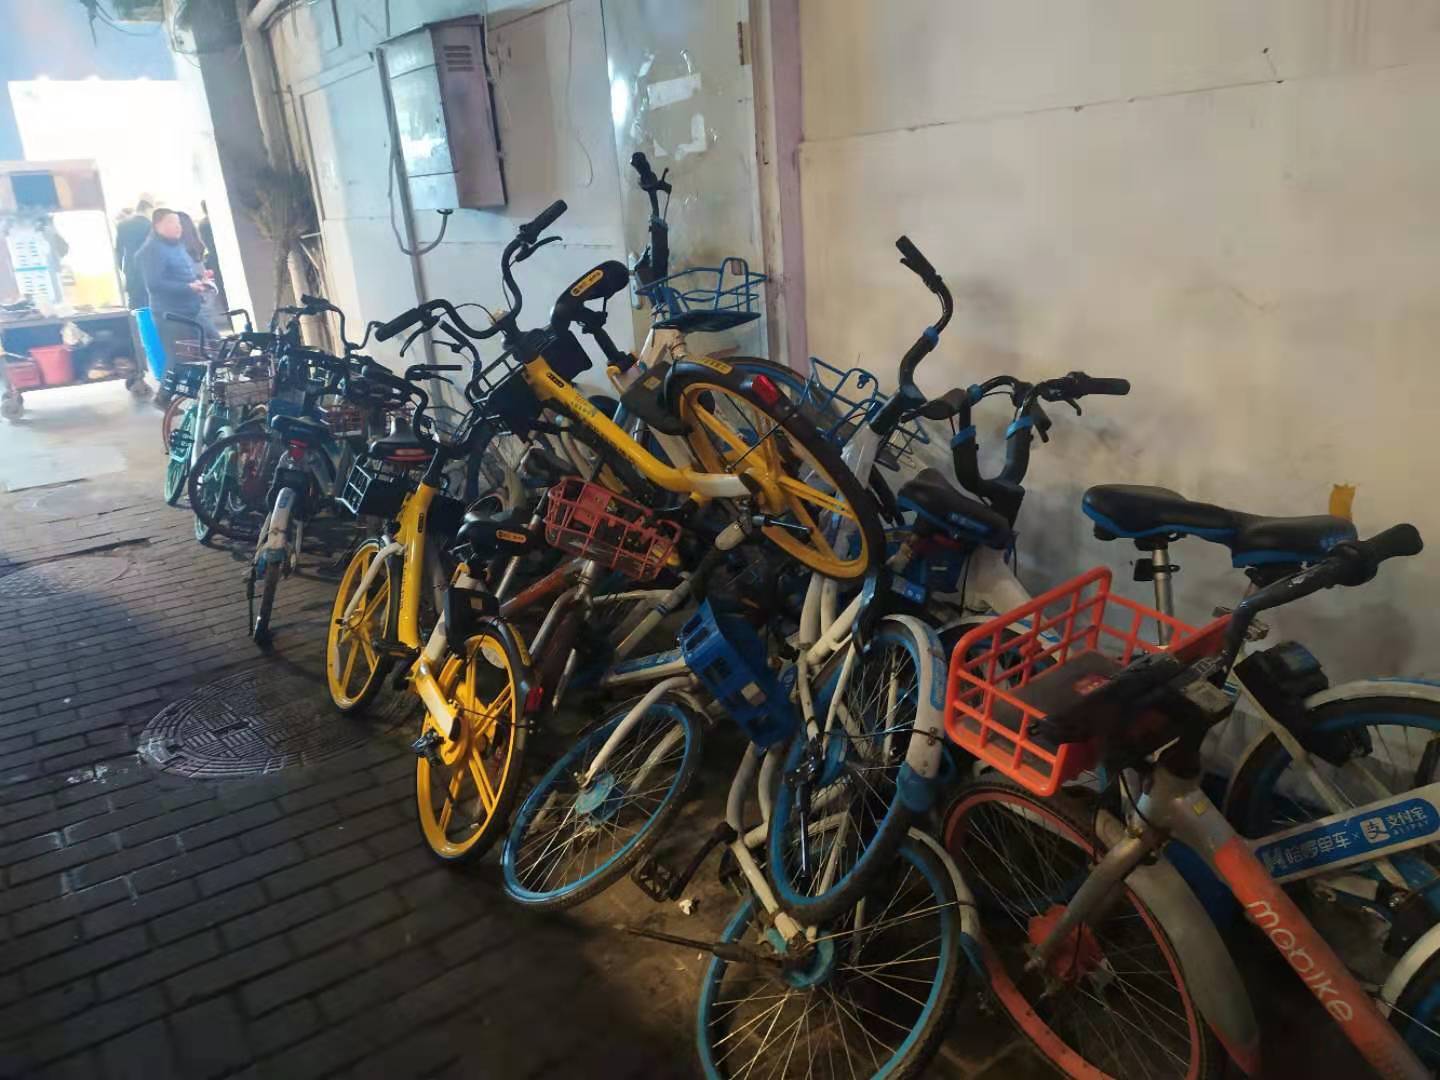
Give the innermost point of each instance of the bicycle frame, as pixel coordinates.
(1174, 806)
(550, 387)
(409, 545)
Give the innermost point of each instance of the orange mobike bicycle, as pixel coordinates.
(772, 459)
(1095, 948)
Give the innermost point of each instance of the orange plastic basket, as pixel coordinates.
(592, 522)
(1014, 670)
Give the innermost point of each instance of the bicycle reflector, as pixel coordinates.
(766, 390)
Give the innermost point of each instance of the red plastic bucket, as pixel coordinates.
(55, 365)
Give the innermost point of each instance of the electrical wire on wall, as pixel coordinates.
(492, 65)
(569, 103)
(421, 248)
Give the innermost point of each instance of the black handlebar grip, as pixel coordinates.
(641, 164)
(399, 324)
(911, 257)
(172, 317)
(1115, 387)
(317, 303)
(1398, 541)
(543, 220)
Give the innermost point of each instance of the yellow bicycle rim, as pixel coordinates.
(351, 662)
(778, 462)
(462, 800)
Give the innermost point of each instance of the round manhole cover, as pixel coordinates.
(258, 721)
(82, 499)
(44, 580)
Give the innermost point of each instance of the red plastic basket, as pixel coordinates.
(592, 522)
(1046, 655)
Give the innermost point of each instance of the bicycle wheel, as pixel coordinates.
(354, 669)
(177, 466)
(570, 842)
(244, 463)
(170, 419)
(873, 1000)
(1115, 1004)
(1415, 1013)
(1391, 745)
(260, 632)
(857, 817)
(464, 794)
(737, 426)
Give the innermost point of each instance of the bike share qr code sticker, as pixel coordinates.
(1349, 839)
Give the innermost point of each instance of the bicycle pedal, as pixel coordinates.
(655, 879)
(390, 649)
(428, 747)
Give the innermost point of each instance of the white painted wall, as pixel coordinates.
(1230, 202)
(555, 131)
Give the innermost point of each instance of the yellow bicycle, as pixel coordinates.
(723, 433)
(470, 670)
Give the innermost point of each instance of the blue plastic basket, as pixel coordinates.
(706, 298)
(727, 655)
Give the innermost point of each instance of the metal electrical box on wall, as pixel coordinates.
(448, 138)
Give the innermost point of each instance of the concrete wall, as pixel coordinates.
(555, 129)
(1229, 202)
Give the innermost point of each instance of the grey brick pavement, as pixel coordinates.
(291, 925)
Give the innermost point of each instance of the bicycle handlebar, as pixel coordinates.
(530, 232)
(1004, 489)
(654, 264)
(1351, 562)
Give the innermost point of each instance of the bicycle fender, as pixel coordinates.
(1210, 972)
(515, 653)
(1414, 689)
(922, 760)
(1408, 966)
(1399, 687)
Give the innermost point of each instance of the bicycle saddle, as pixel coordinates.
(706, 322)
(300, 428)
(1136, 512)
(400, 446)
(505, 532)
(940, 505)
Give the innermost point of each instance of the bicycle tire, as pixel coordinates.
(1266, 795)
(1416, 1013)
(245, 462)
(177, 463)
(717, 1027)
(689, 385)
(260, 632)
(1009, 912)
(337, 678)
(170, 419)
(499, 731)
(520, 884)
(889, 827)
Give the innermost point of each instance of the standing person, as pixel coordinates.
(130, 236)
(173, 279)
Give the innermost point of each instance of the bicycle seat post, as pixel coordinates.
(1158, 570)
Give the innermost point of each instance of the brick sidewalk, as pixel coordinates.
(288, 925)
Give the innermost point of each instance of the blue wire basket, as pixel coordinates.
(706, 299)
(845, 399)
(728, 656)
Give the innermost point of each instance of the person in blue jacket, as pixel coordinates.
(175, 281)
